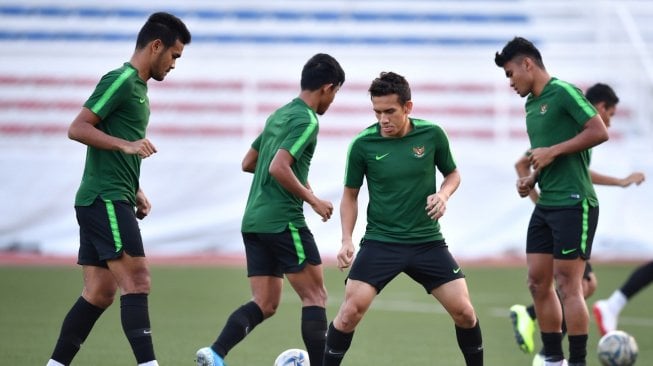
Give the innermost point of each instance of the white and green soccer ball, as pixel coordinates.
(292, 357)
(617, 348)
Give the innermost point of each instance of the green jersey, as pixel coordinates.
(270, 207)
(400, 174)
(120, 100)
(556, 115)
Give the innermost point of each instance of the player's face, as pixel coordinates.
(164, 59)
(392, 116)
(606, 113)
(517, 71)
(328, 95)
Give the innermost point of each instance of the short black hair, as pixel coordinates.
(319, 70)
(389, 83)
(599, 92)
(164, 26)
(518, 47)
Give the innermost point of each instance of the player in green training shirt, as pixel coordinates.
(112, 124)
(277, 240)
(562, 126)
(398, 157)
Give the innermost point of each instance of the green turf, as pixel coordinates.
(188, 306)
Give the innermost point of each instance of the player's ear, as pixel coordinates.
(408, 107)
(157, 46)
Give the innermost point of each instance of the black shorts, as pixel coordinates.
(273, 254)
(565, 232)
(106, 229)
(430, 264)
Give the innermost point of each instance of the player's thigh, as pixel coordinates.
(540, 269)
(377, 263)
(309, 285)
(454, 297)
(266, 292)
(432, 265)
(573, 231)
(107, 230)
(100, 286)
(131, 273)
(358, 298)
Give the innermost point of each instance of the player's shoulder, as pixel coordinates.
(123, 76)
(564, 87)
(424, 126)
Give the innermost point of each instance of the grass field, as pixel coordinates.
(189, 305)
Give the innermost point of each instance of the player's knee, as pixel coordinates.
(464, 317)
(100, 298)
(268, 309)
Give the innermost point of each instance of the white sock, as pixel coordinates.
(54, 363)
(617, 301)
(149, 363)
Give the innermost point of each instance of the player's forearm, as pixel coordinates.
(605, 180)
(89, 135)
(593, 134)
(348, 213)
(450, 184)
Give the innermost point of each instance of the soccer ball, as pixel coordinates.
(617, 348)
(292, 357)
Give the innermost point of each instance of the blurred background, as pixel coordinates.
(245, 61)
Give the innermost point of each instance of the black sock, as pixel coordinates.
(577, 348)
(135, 319)
(75, 328)
(552, 343)
(314, 327)
(337, 344)
(531, 311)
(240, 323)
(639, 279)
(470, 342)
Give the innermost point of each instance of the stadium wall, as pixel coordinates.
(244, 62)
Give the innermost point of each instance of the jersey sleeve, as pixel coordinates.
(578, 107)
(112, 90)
(302, 133)
(354, 166)
(256, 145)
(444, 160)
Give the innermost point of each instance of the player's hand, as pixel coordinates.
(345, 254)
(323, 208)
(143, 205)
(142, 148)
(436, 205)
(540, 157)
(524, 186)
(636, 177)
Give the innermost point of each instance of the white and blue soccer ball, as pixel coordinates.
(292, 357)
(617, 348)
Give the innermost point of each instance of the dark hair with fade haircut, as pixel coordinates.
(164, 26)
(321, 69)
(518, 47)
(599, 92)
(389, 83)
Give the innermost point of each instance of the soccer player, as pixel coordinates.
(398, 157)
(605, 100)
(112, 124)
(277, 240)
(606, 312)
(562, 126)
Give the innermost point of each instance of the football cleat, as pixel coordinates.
(524, 328)
(207, 357)
(605, 318)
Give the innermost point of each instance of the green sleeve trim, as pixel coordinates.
(577, 96)
(307, 133)
(112, 90)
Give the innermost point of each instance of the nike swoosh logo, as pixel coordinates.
(331, 352)
(567, 251)
(147, 331)
(456, 270)
(379, 157)
(141, 100)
